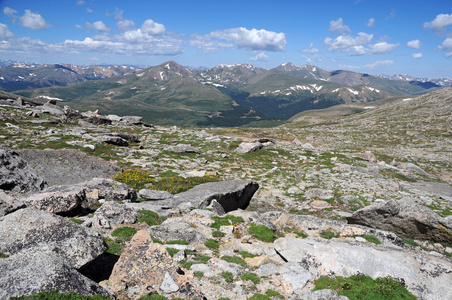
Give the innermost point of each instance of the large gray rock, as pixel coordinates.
(231, 194)
(9, 204)
(426, 276)
(109, 190)
(134, 120)
(67, 166)
(32, 272)
(71, 113)
(247, 147)
(113, 140)
(16, 175)
(52, 109)
(111, 214)
(56, 199)
(406, 219)
(176, 229)
(147, 194)
(39, 231)
(183, 148)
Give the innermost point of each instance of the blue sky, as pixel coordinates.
(369, 36)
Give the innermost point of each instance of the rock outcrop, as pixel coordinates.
(231, 194)
(39, 231)
(406, 219)
(16, 175)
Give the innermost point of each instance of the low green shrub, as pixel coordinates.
(218, 233)
(327, 234)
(252, 277)
(234, 259)
(212, 244)
(246, 254)
(372, 239)
(150, 217)
(365, 288)
(259, 297)
(275, 294)
(3, 255)
(228, 277)
(262, 232)
(124, 231)
(114, 247)
(177, 242)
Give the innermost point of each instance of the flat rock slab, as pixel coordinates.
(426, 276)
(231, 194)
(39, 231)
(67, 166)
(33, 272)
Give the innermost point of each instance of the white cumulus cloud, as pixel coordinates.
(253, 39)
(98, 25)
(414, 44)
(347, 43)
(33, 21)
(311, 49)
(417, 55)
(260, 57)
(153, 28)
(208, 44)
(5, 33)
(382, 47)
(446, 46)
(439, 23)
(125, 25)
(339, 26)
(11, 13)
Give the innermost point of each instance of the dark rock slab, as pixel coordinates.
(39, 231)
(16, 175)
(406, 219)
(231, 194)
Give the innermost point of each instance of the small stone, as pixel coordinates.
(169, 285)
(257, 261)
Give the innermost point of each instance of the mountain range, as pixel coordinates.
(226, 95)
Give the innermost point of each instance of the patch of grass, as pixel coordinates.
(199, 274)
(75, 220)
(212, 244)
(328, 234)
(177, 184)
(150, 217)
(372, 239)
(262, 233)
(410, 242)
(55, 295)
(218, 233)
(228, 277)
(202, 258)
(252, 277)
(114, 247)
(363, 287)
(169, 173)
(124, 231)
(234, 259)
(187, 265)
(172, 251)
(272, 293)
(246, 254)
(3, 255)
(225, 221)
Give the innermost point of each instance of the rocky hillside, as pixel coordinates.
(111, 205)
